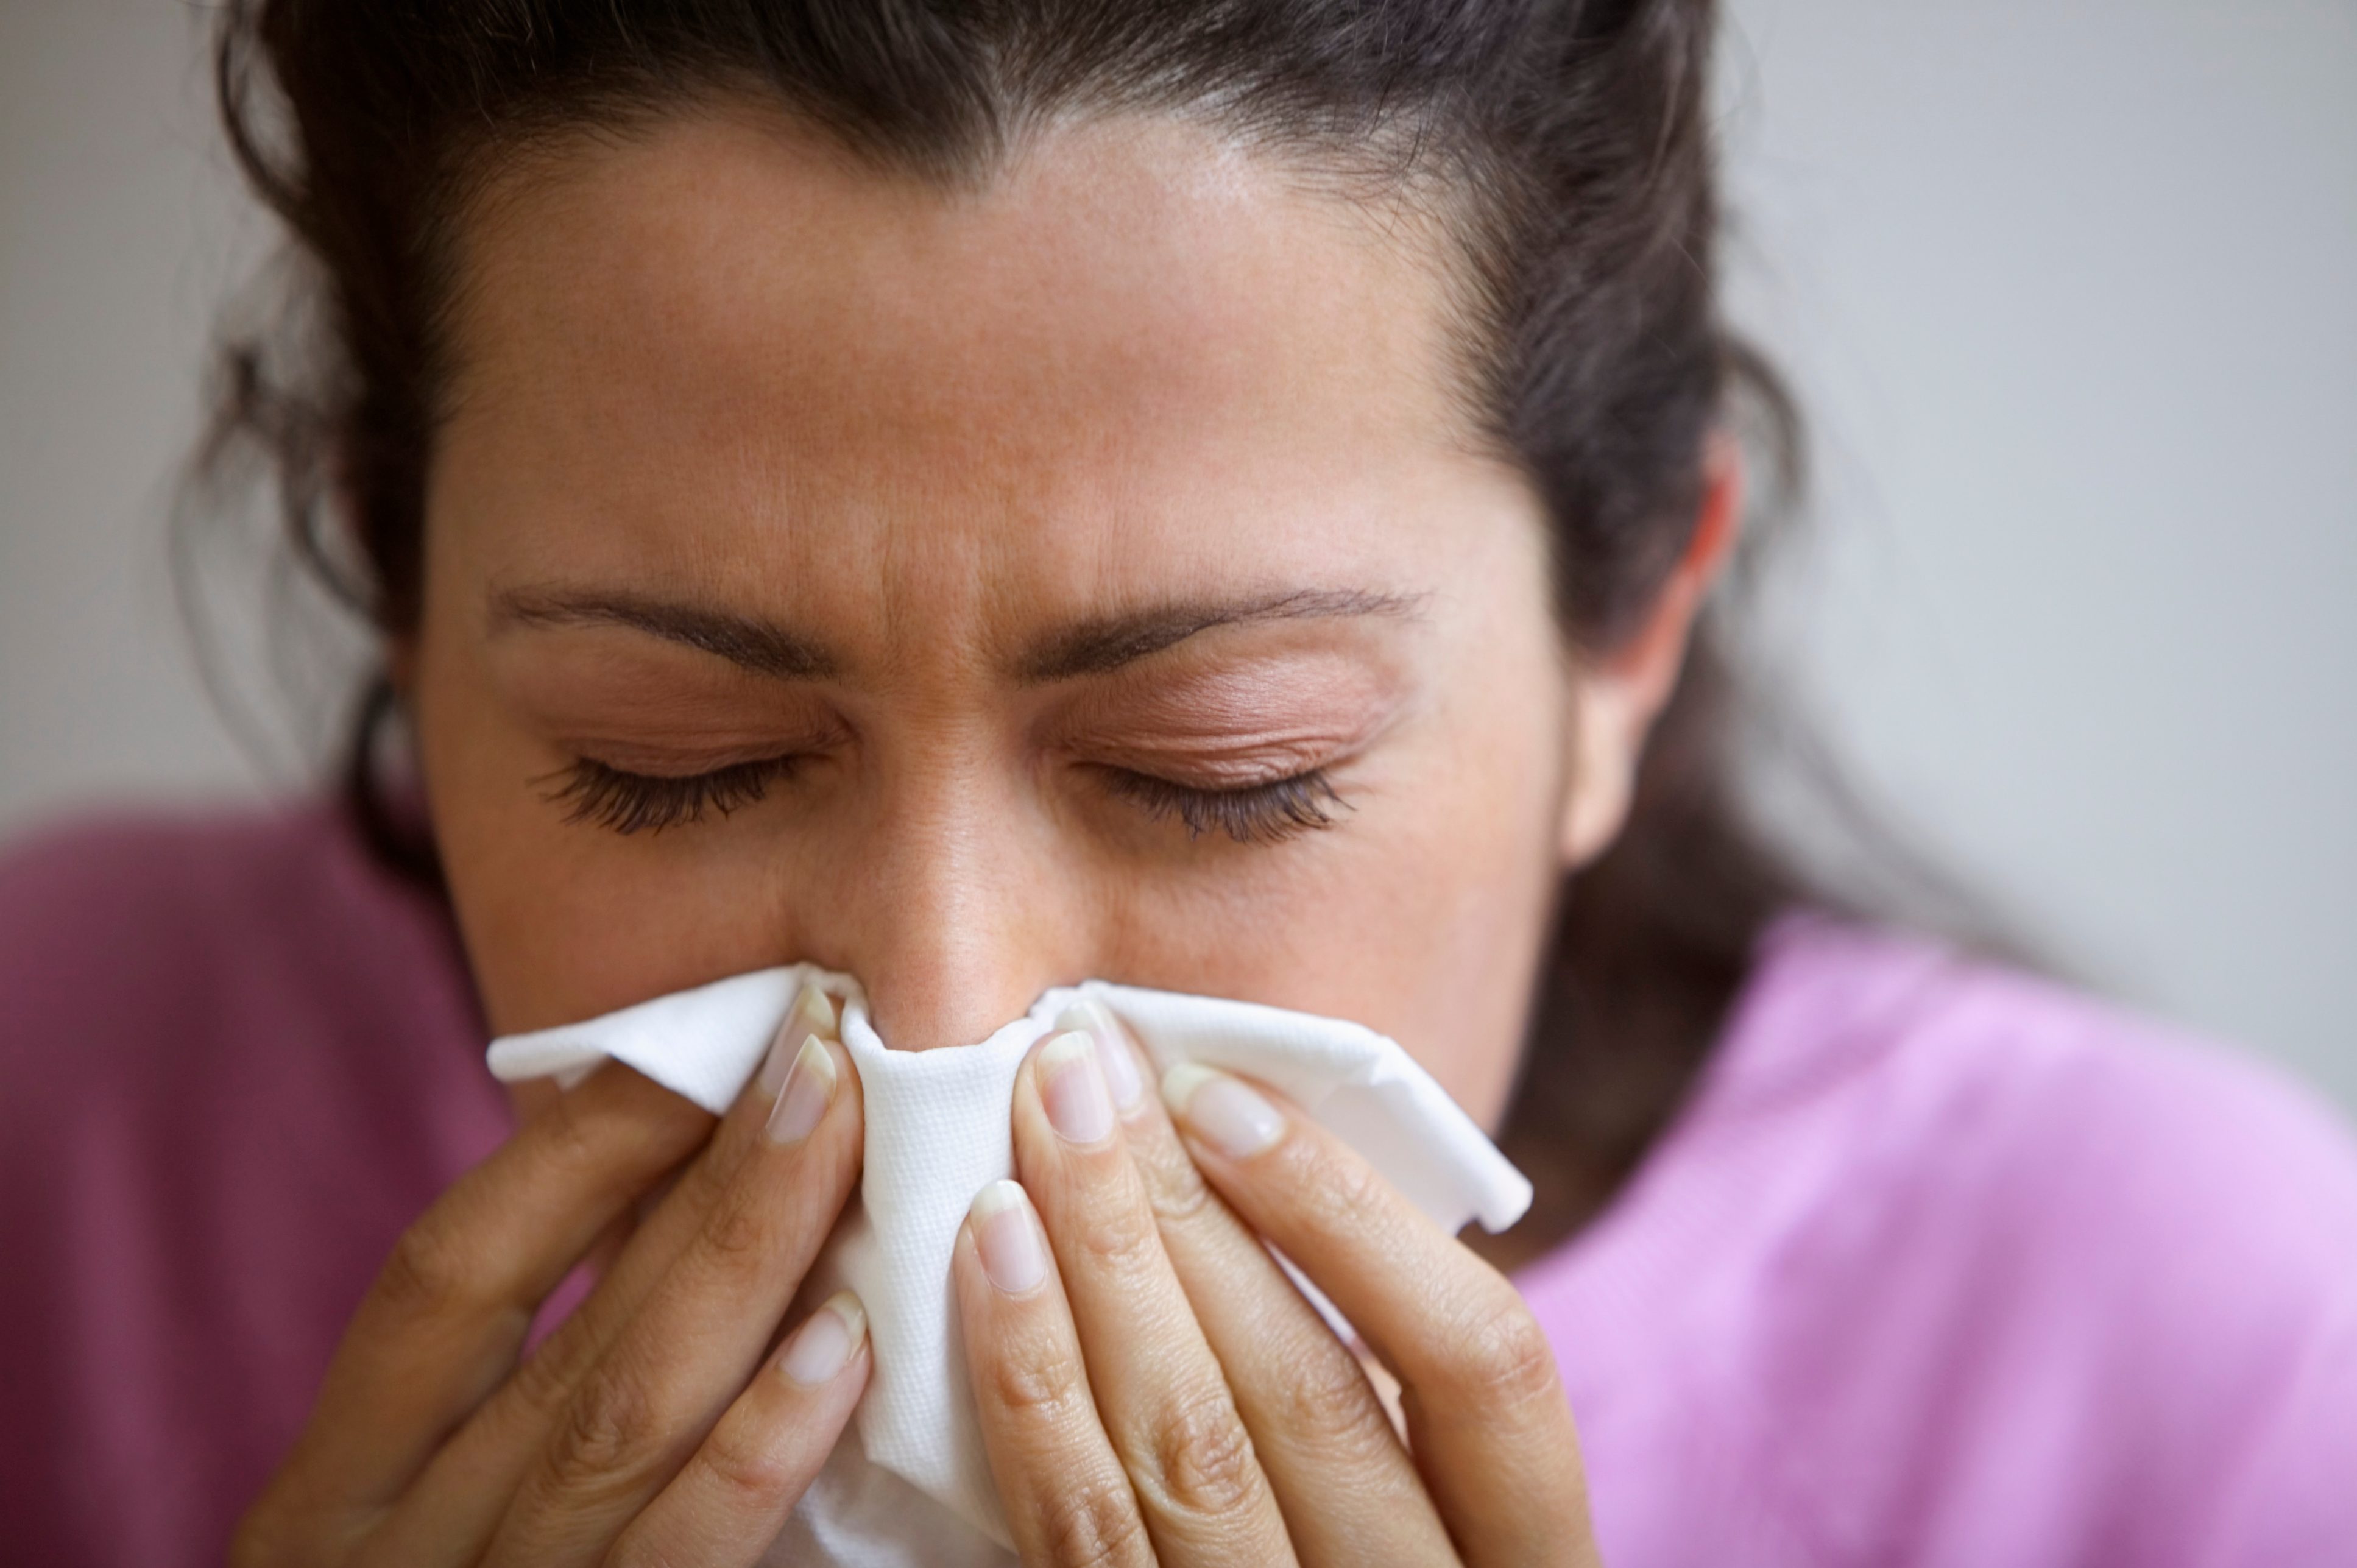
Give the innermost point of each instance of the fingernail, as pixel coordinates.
(814, 1009)
(808, 1088)
(811, 1014)
(1005, 1239)
(822, 1347)
(1072, 1088)
(772, 1076)
(1114, 1058)
(1231, 1116)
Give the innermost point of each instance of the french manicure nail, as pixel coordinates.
(772, 1076)
(815, 1014)
(822, 1347)
(1239, 1123)
(1006, 1240)
(1072, 1088)
(1114, 1058)
(811, 1014)
(808, 1089)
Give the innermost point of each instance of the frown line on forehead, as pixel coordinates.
(1097, 645)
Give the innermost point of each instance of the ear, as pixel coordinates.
(1617, 696)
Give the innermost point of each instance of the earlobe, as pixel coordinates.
(1618, 694)
(1602, 773)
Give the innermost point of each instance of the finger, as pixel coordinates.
(451, 1512)
(448, 1314)
(670, 1223)
(1348, 1491)
(1162, 1395)
(695, 1341)
(726, 1507)
(1487, 1420)
(1068, 1499)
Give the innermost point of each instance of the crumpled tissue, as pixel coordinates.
(914, 1485)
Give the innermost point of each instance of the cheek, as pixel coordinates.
(563, 922)
(1451, 934)
(1423, 916)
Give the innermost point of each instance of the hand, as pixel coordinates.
(647, 1428)
(1152, 1389)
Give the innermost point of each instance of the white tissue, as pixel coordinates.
(937, 1132)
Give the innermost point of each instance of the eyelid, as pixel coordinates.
(1219, 774)
(1339, 694)
(1209, 731)
(1266, 812)
(692, 755)
(1230, 761)
(673, 765)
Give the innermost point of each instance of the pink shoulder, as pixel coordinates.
(237, 1060)
(2074, 1266)
(119, 935)
(1939, 1241)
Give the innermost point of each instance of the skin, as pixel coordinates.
(1143, 457)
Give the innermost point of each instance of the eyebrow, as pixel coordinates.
(1094, 646)
(759, 646)
(1099, 647)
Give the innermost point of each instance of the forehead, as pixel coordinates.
(725, 340)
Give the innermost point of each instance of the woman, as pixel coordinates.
(1218, 497)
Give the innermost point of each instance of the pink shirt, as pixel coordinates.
(1941, 1266)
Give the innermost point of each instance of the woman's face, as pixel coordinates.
(1094, 574)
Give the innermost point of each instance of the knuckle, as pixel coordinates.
(1344, 1191)
(1203, 1465)
(701, 1183)
(750, 1473)
(1179, 1195)
(1502, 1356)
(1036, 1380)
(1091, 1525)
(738, 1233)
(430, 1272)
(608, 1432)
(568, 1136)
(1118, 1234)
(544, 1379)
(1327, 1405)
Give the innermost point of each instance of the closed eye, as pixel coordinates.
(1253, 813)
(626, 802)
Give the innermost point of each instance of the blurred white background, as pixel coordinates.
(2068, 289)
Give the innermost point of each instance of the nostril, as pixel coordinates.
(923, 1012)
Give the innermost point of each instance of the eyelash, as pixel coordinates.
(643, 802)
(630, 803)
(1255, 813)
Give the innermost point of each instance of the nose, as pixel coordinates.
(950, 915)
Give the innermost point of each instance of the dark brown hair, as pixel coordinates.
(1564, 142)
